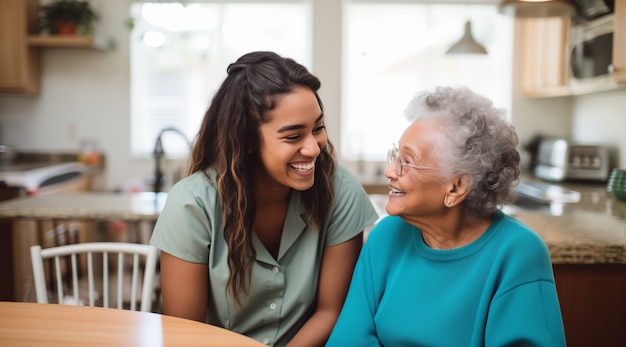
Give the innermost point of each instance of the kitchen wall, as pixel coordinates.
(85, 96)
(601, 118)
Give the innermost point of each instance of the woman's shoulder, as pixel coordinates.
(520, 241)
(518, 232)
(392, 229)
(343, 173)
(346, 180)
(388, 242)
(198, 185)
(201, 177)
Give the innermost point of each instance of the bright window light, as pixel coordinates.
(179, 55)
(391, 51)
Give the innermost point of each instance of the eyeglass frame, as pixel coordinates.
(393, 157)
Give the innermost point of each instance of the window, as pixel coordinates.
(179, 55)
(392, 51)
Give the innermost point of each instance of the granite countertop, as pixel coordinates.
(591, 231)
(91, 206)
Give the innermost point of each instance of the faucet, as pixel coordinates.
(159, 153)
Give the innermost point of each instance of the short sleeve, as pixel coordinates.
(352, 212)
(184, 227)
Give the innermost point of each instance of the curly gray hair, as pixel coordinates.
(478, 142)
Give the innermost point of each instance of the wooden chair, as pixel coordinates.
(70, 255)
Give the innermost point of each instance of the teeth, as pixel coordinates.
(303, 167)
(395, 191)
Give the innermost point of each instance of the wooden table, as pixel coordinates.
(29, 324)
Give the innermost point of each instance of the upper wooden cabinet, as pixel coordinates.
(21, 45)
(544, 44)
(67, 41)
(619, 43)
(19, 62)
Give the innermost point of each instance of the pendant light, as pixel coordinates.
(467, 44)
(537, 8)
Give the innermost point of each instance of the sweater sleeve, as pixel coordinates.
(528, 315)
(356, 325)
(527, 311)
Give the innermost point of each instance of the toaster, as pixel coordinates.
(560, 160)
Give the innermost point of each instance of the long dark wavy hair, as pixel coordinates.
(229, 139)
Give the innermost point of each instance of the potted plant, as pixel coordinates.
(67, 17)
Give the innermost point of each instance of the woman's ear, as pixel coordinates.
(458, 188)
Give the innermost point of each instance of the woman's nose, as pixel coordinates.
(390, 171)
(312, 147)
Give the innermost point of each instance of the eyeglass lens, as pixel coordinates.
(394, 159)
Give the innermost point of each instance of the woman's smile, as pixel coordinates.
(303, 167)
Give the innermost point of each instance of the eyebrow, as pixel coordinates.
(298, 126)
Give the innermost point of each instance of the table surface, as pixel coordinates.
(92, 206)
(30, 324)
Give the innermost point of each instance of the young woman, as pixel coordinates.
(262, 237)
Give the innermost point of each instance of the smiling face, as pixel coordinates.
(292, 140)
(418, 192)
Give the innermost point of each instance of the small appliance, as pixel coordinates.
(590, 9)
(591, 54)
(560, 159)
(36, 176)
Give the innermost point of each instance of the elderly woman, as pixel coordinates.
(447, 267)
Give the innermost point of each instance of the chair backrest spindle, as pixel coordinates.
(75, 277)
(105, 279)
(120, 278)
(92, 290)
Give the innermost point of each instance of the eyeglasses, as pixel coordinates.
(393, 158)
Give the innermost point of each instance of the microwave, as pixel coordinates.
(590, 9)
(591, 54)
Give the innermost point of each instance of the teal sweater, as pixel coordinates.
(497, 291)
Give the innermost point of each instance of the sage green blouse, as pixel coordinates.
(283, 291)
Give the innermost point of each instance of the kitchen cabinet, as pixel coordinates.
(21, 46)
(71, 41)
(587, 243)
(19, 62)
(16, 235)
(593, 303)
(545, 60)
(38, 174)
(545, 55)
(619, 49)
(99, 216)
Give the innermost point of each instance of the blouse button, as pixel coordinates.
(275, 269)
(266, 341)
(273, 306)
